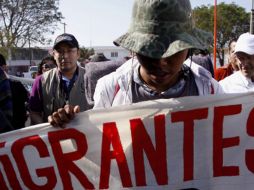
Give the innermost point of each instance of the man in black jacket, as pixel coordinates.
(19, 99)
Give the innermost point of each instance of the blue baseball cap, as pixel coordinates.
(66, 38)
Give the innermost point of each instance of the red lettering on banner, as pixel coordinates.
(15, 170)
(157, 156)
(17, 151)
(250, 123)
(111, 137)
(219, 143)
(2, 182)
(188, 118)
(249, 155)
(65, 161)
(9, 171)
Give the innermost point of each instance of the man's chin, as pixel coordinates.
(65, 69)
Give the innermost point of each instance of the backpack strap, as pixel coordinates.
(212, 89)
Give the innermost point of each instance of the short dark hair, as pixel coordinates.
(43, 61)
(2, 60)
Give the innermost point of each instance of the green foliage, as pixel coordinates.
(232, 20)
(85, 53)
(23, 22)
(4, 52)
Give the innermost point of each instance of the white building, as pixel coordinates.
(112, 52)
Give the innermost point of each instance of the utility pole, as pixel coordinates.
(215, 35)
(64, 24)
(252, 18)
(29, 47)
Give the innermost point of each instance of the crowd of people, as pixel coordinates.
(170, 59)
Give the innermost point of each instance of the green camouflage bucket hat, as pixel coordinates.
(161, 28)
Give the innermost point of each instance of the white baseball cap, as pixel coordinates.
(245, 44)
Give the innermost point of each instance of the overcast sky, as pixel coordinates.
(99, 22)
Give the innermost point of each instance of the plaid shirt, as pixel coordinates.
(5, 103)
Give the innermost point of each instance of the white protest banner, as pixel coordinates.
(191, 142)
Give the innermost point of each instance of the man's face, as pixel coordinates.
(66, 57)
(232, 59)
(246, 64)
(160, 74)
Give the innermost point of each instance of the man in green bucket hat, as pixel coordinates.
(161, 37)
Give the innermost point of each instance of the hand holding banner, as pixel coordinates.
(192, 142)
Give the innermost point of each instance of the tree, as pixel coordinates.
(85, 53)
(232, 20)
(23, 22)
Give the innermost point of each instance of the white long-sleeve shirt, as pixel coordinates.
(237, 83)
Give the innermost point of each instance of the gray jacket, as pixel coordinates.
(54, 96)
(105, 92)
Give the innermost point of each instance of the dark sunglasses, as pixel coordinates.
(48, 66)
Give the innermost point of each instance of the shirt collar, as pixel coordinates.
(247, 81)
(172, 90)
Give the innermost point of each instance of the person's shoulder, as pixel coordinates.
(108, 78)
(231, 78)
(128, 66)
(232, 83)
(37, 82)
(38, 78)
(199, 59)
(48, 75)
(82, 69)
(102, 67)
(197, 70)
(17, 86)
(121, 73)
(15, 82)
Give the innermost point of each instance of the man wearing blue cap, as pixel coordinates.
(59, 86)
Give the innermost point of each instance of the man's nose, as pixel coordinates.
(243, 62)
(162, 63)
(65, 53)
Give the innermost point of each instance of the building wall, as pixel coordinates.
(112, 52)
(22, 58)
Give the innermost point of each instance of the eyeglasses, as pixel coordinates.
(48, 66)
(69, 51)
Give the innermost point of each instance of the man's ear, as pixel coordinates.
(79, 53)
